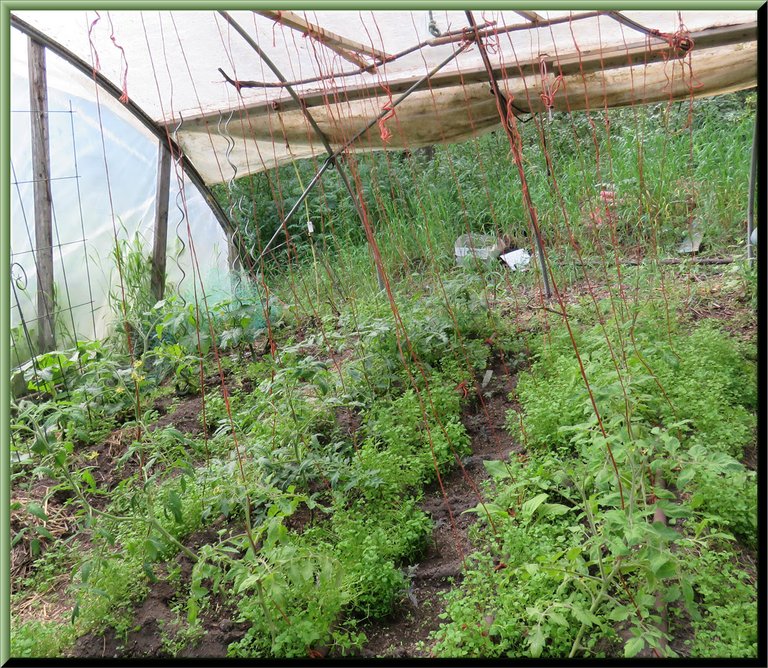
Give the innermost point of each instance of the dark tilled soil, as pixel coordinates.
(406, 633)
(154, 618)
(750, 455)
(185, 418)
(349, 422)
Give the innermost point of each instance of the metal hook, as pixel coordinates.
(433, 29)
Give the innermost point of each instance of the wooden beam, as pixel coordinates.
(160, 243)
(41, 174)
(586, 62)
(346, 48)
(533, 17)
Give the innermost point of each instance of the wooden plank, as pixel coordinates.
(345, 47)
(41, 174)
(160, 243)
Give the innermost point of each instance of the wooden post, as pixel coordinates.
(751, 200)
(160, 243)
(41, 175)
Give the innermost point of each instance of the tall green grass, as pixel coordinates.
(666, 170)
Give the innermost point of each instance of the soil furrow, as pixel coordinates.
(406, 633)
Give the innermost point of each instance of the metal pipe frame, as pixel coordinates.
(332, 154)
(160, 131)
(751, 200)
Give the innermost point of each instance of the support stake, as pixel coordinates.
(160, 243)
(41, 173)
(501, 105)
(332, 155)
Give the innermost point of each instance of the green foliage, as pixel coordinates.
(372, 546)
(568, 551)
(728, 625)
(724, 492)
(515, 607)
(702, 378)
(579, 513)
(36, 640)
(664, 169)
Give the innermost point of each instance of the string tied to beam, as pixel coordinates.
(123, 61)
(679, 41)
(548, 92)
(278, 20)
(386, 133)
(467, 38)
(94, 53)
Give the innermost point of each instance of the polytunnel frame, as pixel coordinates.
(471, 34)
(194, 176)
(169, 148)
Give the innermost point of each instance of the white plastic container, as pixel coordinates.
(480, 246)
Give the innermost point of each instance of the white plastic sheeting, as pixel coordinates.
(168, 62)
(81, 207)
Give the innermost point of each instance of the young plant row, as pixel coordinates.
(271, 453)
(614, 535)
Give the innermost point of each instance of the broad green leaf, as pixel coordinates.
(664, 532)
(536, 639)
(192, 610)
(34, 547)
(552, 509)
(672, 594)
(558, 619)
(248, 583)
(37, 510)
(44, 532)
(88, 480)
(584, 616)
(497, 469)
(530, 506)
(633, 647)
(149, 572)
(619, 613)
(174, 505)
(85, 571)
(484, 509)
(151, 549)
(673, 510)
(662, 567)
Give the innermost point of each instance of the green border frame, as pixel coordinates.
(6, 6)
(5, 347)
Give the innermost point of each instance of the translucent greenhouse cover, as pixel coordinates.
(83, 235)
(169, 64)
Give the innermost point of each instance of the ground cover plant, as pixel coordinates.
(451, 467)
